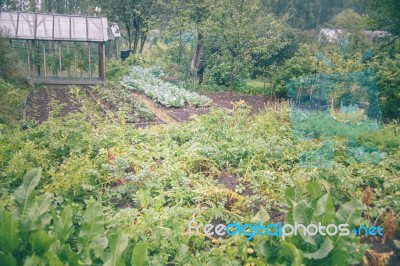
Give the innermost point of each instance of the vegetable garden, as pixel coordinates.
(211, 122)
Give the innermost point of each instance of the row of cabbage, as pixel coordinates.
(165, 93)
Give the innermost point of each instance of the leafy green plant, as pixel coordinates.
(12, 102)
(121, 102)
(310, 205)
(348, 113)
(37, 234)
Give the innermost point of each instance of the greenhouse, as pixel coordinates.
(59, 49)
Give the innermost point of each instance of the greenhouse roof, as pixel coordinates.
(37, 26)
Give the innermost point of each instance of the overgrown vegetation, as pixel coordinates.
(90, 189)
(152, 182)
(12, 78)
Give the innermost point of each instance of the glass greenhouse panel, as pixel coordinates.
(26, 25)
(44, 26)
(8, 22)
(78, 28)
(62, 27)
(31, 26)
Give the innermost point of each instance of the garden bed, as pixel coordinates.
(120, 103)
(59, 100)
(219, 100)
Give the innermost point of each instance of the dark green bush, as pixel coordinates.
(10, 70)
(11, 102)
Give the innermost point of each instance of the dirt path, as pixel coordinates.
(157, 111)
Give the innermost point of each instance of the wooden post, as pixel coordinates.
(76, 68)
(90, 66)
(102, 62)
(117, 46)
(29, 57)
(44, 62)
(59, 59)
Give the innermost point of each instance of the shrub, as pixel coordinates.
(388, 72)
(36, 234)
(11, 102)
(10, 69)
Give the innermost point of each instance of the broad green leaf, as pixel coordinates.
(302, 213)
(66, 254)
(40, 242)
(92, 224)
(338, 256)
(52, 258)
(25, 193)
(63, 224)
(40, 205)
(289, 217)
(350, 213)
(261, 216)
(314, 189)
(322, 252)
(291, 253)
(290, 196)
(8, 232)
(99, 245)
(7, 259)
(325, 210)
(293, 195)
(118, 243)
(139, 255)
(34, 260)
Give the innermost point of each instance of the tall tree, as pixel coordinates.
(8, 4)
(134, 15)
(385, 15)
(238, 30)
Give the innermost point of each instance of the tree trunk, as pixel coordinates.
(143, 38)
(231, 84)
(136, 39)
(128, 29)
(194, 63)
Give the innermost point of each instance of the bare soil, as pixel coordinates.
(38, 103)
(219, 100)
(379, 247)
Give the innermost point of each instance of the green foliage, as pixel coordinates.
(235, 32)
(310, 206)
(314, 125)
(116, 69)
(162, 92)
(388, 79)
(12, 102)
(303, 63)
(11, 70)
(120, 101)
(384, 15)
(38, 234)
(152, 181)
(253, 87)
(386, 139)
